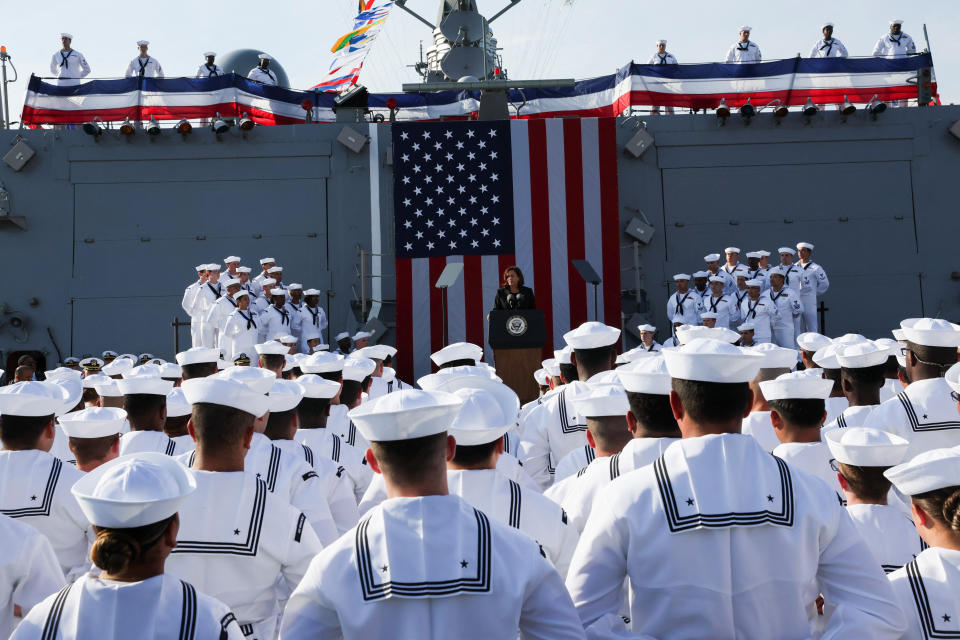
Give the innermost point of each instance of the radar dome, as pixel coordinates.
(241, 61)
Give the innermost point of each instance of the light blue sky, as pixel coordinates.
(540, 38)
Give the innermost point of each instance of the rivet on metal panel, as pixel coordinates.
(678, 224)
(898, 217)
(734, 223)
(787, 221)
(201, 237)
(843, 219)
(89, 240)
(257, 236)
(144, 238)
(311, 235)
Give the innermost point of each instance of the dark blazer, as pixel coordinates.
(523, 299)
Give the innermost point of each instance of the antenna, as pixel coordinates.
(463, 62)
(464, 27)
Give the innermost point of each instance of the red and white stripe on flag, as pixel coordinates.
(565, 208)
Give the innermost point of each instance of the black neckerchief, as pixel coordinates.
(251, 324)
(216, 291)
(680, 302)
(143, 65)
(211, 70)
(315, 314)
(64, 59)
(752, 308)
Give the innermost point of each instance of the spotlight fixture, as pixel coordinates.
(127, 127)
(183, 127)
(723, 111)
(810, 109)
(94, 127)
(847, 108)
(153, 127)
(220, 125)
(747, 110)
(876, 106)
(780, 111)
(246, 124)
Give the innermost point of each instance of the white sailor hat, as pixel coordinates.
(310, 292)
(796, 386)
(228, 393)
(689, 333)
(147, 369)
(499, 393)
(145, 385)
(374, 352)
(272, 347)
(294, 286)
(287, 339)
(709, 315)
(812, 341)
(430, 381)
(91, 382)
(405, 415)
(360, 335)
(207, 54)
(316, 387)
(754, 254)
(322, 362)
(64, 34)
(200, 267)
(480, 419)
(357, 369)
(240, 294)
(284, 395)
(862, 354)
(343, 335)
(892, 346)
(243, 269)
(804, 245)
(389, 374)
(732, 250)
(701, 274)
(931, 332)
(388, 349)
(213, 266)
(196, 355)
(143, 43)
(455, 351)
(896, 21)
(117, 367)
(746, 326)
(825, 25)
(541, 377)
(826, 358)
(229, 282)
(289, 362)
(850, 338)
(754, 282)
(279, 292)
(681, 276)
(108, 388)
(866, 446)
(745, 28)
(718, 279)
(275, 269)
(763, 253)
(133, 491)
(266, 260)
(952, 377)
(778, 270)
(267, 282)
(61, 373)
(35, 399)
(264, 56)
(775, 357)
(563, 356)
(603, 400)
(647, 375)
(592, 335)
(632, 355)
(228, 259)
(711, 257)
(813, 372)
(646, 327)
(789, 250)
(928, 471)
(552, 367)
(899, 335)
(259, 380)
(707, 360)
(94, 422)
(177, 404)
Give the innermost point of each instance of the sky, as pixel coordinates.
(539, 38)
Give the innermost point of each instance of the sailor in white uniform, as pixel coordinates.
(426, 564)
(237, 538)
(759, 311)
(721, 304)
(218, 314)
(744, 50)
(813, 283)
(789, 308)
(313, 321)
(209, 68)
(261, 73)
(94, 435)
(178, 415)
(662, 56)
(828, 46)
(896, 43)
(144, 66)
(862, 455)
(275, 320)
(34, 485)
(553, 429)
(145, 401)
(924, 413)
(206, 296)
(263, 300)
(29, 571)
(189, 298)
(68, 64)
(133, 503)
(861, 378)
(829, 368)
(701, 534)
(198, 362)
(241, 331)
(777, 361)
(682, 305)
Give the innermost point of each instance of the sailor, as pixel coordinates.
(206, 296)
(343, 343)
(813, 282)
(647, 332)
(682, 306)
(891, 370)
(178, 415)
(727, 271)
(740, 292)
(376, 353)
(896, 43)
(68, 64)
(189, 298)
(924, 413)
(789, 307)
(90, 396)
(862, 455)
(554, 429)
(295, 306)
(109, 356)
(720, 304)
(362, 339)
(243, 274)
(210, 69)
(144, 66)
(435, 562)
(35, 485)
(791, 272)
(809, 344)
(927, 587)
(828, 46)
(94, 435)
(263, 300)
(145, 401)
(313, 321)
(758, 311)
(241, 331)
(91, 366)
(700, 288)
(764, 259)
(746, 335)
(265, 265)
(232, 263)
(662, 56)
(133, 503)
(700, 534)
(826, 361)
(652, 429)
(745, 50)
(776, 362)
(220, 311)
(861, 378)
(275, 320)
(261, 73)
(198, 362)
(355, 379)
(29, 571)
(754, 270)
(276, 272)
(237, 538)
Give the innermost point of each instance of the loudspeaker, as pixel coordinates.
(639, 230)
(955, 129)
(352, 139)
(19, 156)
(639, 143)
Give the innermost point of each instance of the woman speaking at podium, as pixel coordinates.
(513, 295)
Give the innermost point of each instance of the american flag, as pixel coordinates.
(538, 194)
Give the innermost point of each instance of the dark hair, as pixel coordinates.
(116, 549)
(569, 373)
(365, 384)
(653, 413)
(934, 357)
(313, 412)
(890, 368)
(800, 412)
(387, 361)
(332, 376)
(834, 375)
(473, 455)
(218, 427)
(941, 504)
(278, 424)
(865, 376)
(176, 426)
(867, 483)
(90, 395)
(406, 461)
(198, 370)
(142, 407)
(462, 362)
(516, 270)
(92, 449)
(22, 432)
(610, 433)
(350, 392)
(713, 401)
(595, 358)
(273, 360)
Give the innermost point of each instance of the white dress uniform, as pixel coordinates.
(831, 48)
(264, 76)
(813, 283)
(340, 423)
(184, 443)
(237, 540)
(35, 489)
(730, 274)
(663, 58)
(743, 52)
(724, 306)
(762, 314)
(425, 568)
(758, 425)
(217, 316)
(814, 458)
(891, 46)
(550, 432)
(787, 302)
(637, 453)
(158, 441)
(153, 609)
(705, 554)
(791, 274)
(923, 413)
(313, 320)
(889, 534)
(29, 570)
(891, 387)
(207, 296)
(188, 302)
(209, 71)
(574, 462)
(241, 333)
(69, 67)
(683, 308)
(275, 322)
(148, 67)
(322, 442)
(850, 417)
(926, 590)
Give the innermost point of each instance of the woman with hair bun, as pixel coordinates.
(513, 294)
(132, 503)
(928, 587)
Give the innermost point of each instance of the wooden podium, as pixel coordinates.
(517, 337)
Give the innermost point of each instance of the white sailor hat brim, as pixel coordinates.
(931, 332)
(257, 379)
(405, 415)
(796, 386)
(928, 471)
(866, 446)
(706, 360)
(646, 375)
(316, 387)
(94, 422)
(227, 393)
